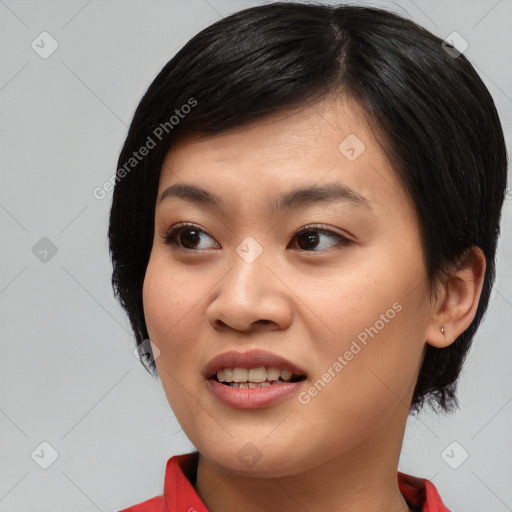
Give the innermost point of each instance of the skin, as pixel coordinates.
(305, 305)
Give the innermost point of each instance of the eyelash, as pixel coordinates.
(172, 234)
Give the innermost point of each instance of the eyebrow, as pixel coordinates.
(291, 200)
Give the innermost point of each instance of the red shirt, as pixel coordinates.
(180, 495)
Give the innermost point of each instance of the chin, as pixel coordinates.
(260, 459)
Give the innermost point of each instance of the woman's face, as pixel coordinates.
(344, 303)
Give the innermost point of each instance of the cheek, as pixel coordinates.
(156, 297)
(169, 315)
(167, 301)
(369, 389)
(379, 328)
(174, 304)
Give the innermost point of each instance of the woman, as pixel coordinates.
(304, 224)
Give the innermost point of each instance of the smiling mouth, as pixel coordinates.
(255, 377)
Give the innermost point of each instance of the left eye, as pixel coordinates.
(187, 236)
(312, 235)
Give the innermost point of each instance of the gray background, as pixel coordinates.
(68, 373)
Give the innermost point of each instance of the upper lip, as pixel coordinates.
(249, 359)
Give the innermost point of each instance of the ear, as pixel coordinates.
(458, 301)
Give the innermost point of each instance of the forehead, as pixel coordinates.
(325, 143)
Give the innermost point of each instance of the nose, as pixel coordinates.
(251, 297)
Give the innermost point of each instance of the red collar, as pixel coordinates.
(420, 494)
(180, 495)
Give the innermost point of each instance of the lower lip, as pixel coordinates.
(252, 398)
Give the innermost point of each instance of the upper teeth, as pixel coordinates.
(252, 375)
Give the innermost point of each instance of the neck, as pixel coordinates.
(362, 479)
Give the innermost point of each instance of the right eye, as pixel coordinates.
(186, 236)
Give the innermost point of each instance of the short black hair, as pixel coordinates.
(436, 119)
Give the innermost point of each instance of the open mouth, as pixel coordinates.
(255, 377)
